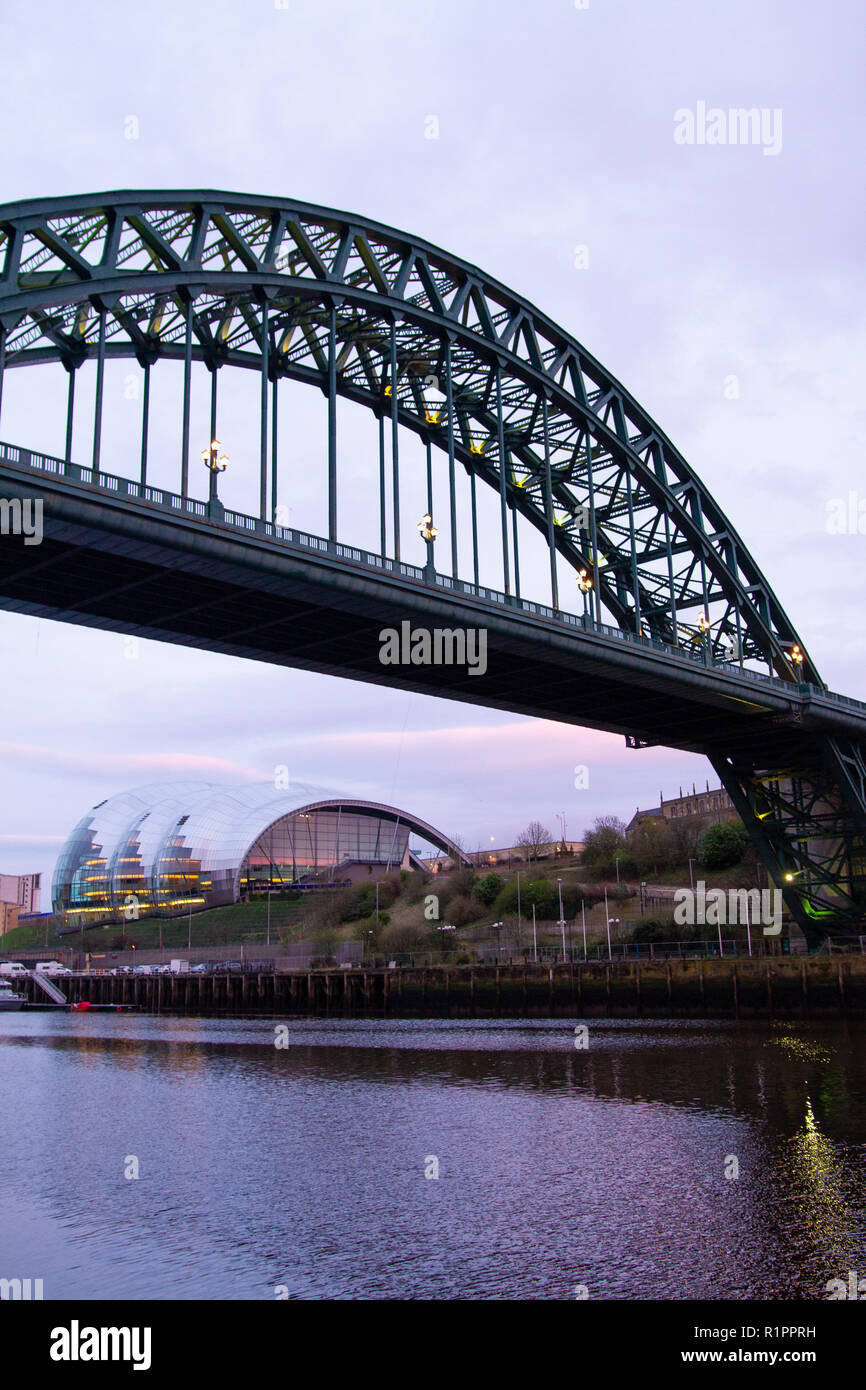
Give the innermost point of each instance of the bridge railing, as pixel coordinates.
(163, 498)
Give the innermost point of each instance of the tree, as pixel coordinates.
(723, 845)
(534, 839)
(603, 842)
(687, 833)
(487, 888)
(652, 845)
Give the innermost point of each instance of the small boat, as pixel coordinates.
(9, 999)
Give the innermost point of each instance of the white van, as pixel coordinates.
(12, 967)
(52, 967)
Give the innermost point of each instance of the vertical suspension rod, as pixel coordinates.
(503, 495)
(548, 507)
(100, 381)
(263, 421)
(332, 422)
(187, 375)
(395, 444)
(145, 423)
(452, 483)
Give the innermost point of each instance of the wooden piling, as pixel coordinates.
(805, 987)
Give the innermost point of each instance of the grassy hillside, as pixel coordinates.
(412, 910)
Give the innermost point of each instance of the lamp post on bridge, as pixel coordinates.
(216, 464)
(428, 535)
(584, 583)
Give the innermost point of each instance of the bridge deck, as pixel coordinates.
(147, 562)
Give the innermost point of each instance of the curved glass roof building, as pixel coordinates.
(169, 848)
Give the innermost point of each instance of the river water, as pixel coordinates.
(307, 1170)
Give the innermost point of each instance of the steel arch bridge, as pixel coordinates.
(682, 640)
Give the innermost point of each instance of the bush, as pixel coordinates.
(602, 844)
(359, 901)
(487, 888)
(654, 929)
(404, 938)
(459, 884)
(723, 846)
(461, 911)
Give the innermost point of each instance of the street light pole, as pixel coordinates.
(518, 910)
(692, 874)
(215, 463)
(583, 914)
(428, 534)
(607, 920)
(561, 918)
(534, 937)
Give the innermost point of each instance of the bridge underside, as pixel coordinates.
(121, 566)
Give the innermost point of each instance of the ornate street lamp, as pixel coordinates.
(428, 535)
(704, 625)
(216, 463)
(584, 583)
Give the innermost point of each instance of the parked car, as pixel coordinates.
(12, 968)
(52, 967)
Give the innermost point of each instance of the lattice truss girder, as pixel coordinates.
(621, 503)
(809, 824)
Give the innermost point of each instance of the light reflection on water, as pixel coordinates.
(305, 1166)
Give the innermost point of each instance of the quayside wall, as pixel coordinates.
(778, 987)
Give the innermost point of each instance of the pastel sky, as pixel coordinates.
(701, 264)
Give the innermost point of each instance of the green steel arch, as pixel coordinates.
(292, 290)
